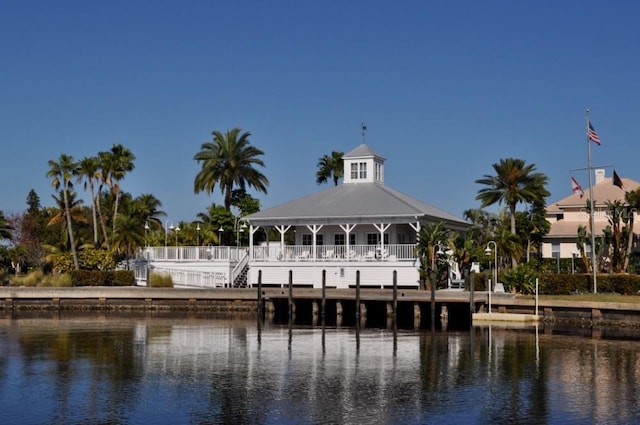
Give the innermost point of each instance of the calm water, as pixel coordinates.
(179, 370)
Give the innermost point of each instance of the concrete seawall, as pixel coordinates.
(583, 313)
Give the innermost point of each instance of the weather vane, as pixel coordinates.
(364, 131)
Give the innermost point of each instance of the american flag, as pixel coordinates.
(593, 135)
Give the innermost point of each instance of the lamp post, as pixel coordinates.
(238, 229)
(487, 251)
(167, 227)
(198, 234)
(433, 283)
(146, 230)
(220, 230)
(177, 229)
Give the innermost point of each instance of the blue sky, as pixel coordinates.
(446, 88)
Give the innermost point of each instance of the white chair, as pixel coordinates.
(328, 254)
(304, 255)
(370, 255)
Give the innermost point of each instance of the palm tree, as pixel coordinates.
(121, 160)
(76, 213)
(431, 234)
(229, 160)
(330, 166)
(89, 171)
(128, 236)
(513, 183)
(5, 227)
(633, 202)
(61, 172)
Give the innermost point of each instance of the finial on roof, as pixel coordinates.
(364, 131)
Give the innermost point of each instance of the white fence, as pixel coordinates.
(276, 252)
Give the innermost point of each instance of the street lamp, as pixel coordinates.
(177, 229)
(239, 230)
(167, 227)
(220, 230)
(487, 251)
(432, 277)
(146, 230)
(198, 234)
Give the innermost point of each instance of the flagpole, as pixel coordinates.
(591, 210)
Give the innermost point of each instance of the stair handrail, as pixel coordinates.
(240, 265)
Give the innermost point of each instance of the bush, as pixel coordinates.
(160, 280)
(103, 278)
(566, 284)
(37, 278)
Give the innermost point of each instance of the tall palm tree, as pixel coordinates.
(89, 171)
(330, 167)
(76, 212)
(514, 182)
(229, 160)
(121, 160)
(61, 173)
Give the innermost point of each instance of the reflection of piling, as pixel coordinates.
(358, 296)
(472, 306)
(290, 296)
(324, 296)
(395, 296)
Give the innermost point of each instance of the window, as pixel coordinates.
(374, 238)
(378, 171)
(307, 239)
(354, 171)
(363, 170)
(339, 239)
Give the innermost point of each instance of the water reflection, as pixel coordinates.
(219, 370)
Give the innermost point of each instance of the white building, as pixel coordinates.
(360, 229)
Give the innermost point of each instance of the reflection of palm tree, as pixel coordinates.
(513, 183)
(61, 173)
(330, 167)
(229, 161)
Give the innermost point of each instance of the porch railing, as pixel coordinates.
(276, 252)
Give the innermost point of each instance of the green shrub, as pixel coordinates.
(123, 278)
(33, 278)
(57, 280)
(521, 279)
(582, 283)
(160, 280)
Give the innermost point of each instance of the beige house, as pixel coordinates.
(567, 214)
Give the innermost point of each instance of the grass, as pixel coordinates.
(38, 279)
(603, 298)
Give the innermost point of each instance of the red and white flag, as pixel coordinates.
(575, 187)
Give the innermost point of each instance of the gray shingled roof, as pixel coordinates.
(362, 151)
(354, 203)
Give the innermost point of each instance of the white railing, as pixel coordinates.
(195, 279)
(275, 252)
(191, 253)
(240, 265)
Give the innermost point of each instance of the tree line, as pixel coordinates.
(114, 224)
